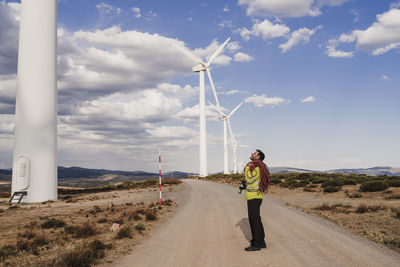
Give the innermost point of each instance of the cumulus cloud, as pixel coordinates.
(287, 8)
(9, 27)
(264, 101)
(172, 132)
(296, 37)
(265, 29)
(191, 114)
(308, 99)
(381, 37)
(242, 57)
(331, 50)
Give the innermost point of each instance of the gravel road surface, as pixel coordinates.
(210, 228)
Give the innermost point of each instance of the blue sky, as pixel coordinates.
(319, 78)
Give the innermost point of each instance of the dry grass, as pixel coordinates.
(77, 233)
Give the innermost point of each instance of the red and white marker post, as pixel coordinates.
(159, 173)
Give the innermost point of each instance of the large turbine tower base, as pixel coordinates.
(35, 137)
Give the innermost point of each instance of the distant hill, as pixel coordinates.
(370, 171)
(74, 173)
(374, 171)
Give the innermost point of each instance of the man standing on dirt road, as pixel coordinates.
(257, 182)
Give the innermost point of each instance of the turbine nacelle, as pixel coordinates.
(199, 67)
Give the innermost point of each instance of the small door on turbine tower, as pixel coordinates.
(23, 167)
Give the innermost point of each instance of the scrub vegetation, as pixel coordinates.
(76, 231)
(367, 205)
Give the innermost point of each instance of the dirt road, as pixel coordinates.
(210, 228)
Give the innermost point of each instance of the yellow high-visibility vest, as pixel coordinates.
(253, 179)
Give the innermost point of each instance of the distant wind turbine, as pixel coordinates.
(201, 67)
(225, 119)
(235, 145)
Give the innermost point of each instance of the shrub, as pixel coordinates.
(276, 181)
(81, 256)
(362, 208)
(397, 215)
(393, 182)
(6, 251)
(324, 206)
(301, 183)
(124, 232)
(52, 223)
(102, 220)
(167, 202)
(96, 209)
(373, 186)
(356, 195)
(140, 227)
(85, 230)
(393, 197)
(150, 215)
(319, 180)
(334, 183)
(331, 189)
(349, 182)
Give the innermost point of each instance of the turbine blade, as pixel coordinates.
(216, 53)
(234, 110)
(215, 92)
(188, 53)
(233, 140)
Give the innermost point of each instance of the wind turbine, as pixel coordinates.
(202, 67)
(34, 175)
(235, 145)
(225, 119)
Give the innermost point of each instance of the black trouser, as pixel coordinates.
(257, 229)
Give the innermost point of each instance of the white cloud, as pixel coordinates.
(308, 99)
(104, 8)
(331, 50)
(242, 57)
(381, 37)
(266, 29)
(136, 12)
(191, 114)
(148, 105)
(287, 8)
(232, 47)
(172, 132)
(385, 77)
(264, 101)
(301, 35)
(233, 92)
(226, 9)
(205, 53)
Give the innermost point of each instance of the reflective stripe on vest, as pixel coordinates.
(251, 179)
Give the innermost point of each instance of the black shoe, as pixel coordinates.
(263, 246)
(251, 248)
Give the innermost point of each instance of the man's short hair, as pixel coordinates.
(261, 154)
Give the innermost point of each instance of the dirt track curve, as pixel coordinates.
(210, 228)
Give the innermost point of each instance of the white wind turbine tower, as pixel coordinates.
(225, 119)
(201, 67)
(34, 175)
